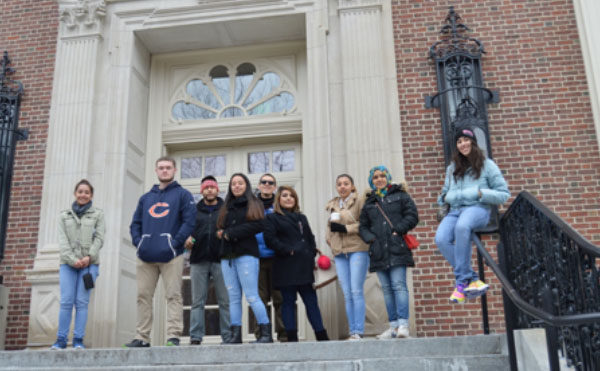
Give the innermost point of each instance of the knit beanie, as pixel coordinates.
(465, 132)
(209, 181)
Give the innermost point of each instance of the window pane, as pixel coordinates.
(191, 167)
(232, 112)
(186, 111)
(283, 161)
(186, 323)
(279, 103)
(211, 322)
(267, 83)
(243, 79)
(220, 79)
(214, 165)
(258, 162)
(200, 91)
(186, 292)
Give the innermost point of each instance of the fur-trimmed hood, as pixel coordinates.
(402, 186)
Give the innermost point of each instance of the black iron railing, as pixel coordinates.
(550, 278)
(10, 102)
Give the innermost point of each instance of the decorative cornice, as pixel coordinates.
(84, 17)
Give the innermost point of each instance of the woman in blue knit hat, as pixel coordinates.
(388, 214)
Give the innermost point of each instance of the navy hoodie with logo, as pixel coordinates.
(163, 220)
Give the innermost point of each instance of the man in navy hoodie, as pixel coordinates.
(163, 220)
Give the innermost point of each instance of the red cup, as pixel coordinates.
(323, 262)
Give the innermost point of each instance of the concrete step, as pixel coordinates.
(481, 353)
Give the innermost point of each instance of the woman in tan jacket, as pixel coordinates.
(351, 253)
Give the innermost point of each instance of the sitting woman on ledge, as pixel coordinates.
(473, 184)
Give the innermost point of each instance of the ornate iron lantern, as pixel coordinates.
(10, 103)
(461, 96)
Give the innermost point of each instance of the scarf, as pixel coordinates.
(80, 209)
(383, 191)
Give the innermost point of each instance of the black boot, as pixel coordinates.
(322, 335)
(236, 335)
(292, 336)
(265, 334)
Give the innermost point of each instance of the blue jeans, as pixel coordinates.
(288, 307)
(73, 293)
(352, 273)
(453, 239)
(242, 274)
(395, 294)
(200, 277)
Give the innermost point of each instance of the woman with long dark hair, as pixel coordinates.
(288, 233)
(80, 238)
(350, 251)
(472, 185)
(240, 219)
(388, 214)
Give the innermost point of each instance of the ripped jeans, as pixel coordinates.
(242, 275)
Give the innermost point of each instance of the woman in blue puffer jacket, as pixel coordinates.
(473, 184)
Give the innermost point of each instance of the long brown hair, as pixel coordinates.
(474, 161)
(277, 206)
(255, 207)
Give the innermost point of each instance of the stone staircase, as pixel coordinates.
(476, 353)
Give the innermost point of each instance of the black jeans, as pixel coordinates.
(288, 308)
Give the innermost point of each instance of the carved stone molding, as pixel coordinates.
(84, 18)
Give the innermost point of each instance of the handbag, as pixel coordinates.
(88, 280)
(409, 239)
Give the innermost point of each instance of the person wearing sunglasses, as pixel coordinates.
(267, 186)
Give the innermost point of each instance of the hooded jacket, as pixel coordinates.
(241, 233)
(345, 243)
(386, 249)
(206, 247)
(289, 233)
(163, 220)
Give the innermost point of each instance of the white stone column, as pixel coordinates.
(72, 117)
(371, 116)
(588, 14)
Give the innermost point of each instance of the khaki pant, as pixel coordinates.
(147, 278)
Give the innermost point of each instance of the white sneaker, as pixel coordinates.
(387, 334)
(402, 332)
(355, 337)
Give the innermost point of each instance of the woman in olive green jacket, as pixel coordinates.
(350, 251)
(80, 235)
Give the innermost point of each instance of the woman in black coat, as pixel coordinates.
(388, 253)
(287, 232)
(240, 219)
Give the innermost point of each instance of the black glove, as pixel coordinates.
(337, 227)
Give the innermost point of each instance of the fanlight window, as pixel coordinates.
(247, 94)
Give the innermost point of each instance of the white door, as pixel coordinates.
(280, 159)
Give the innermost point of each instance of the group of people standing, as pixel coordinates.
(261, 245)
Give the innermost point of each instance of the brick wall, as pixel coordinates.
(542, 131)
(28, 31)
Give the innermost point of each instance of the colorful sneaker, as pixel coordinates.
(387, 334)
(172, 342)
(402, 332)
(476, 289)
(458, 295)
(61, 343)
(78, 343)
(137, 343)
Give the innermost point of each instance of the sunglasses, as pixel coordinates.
(269, 182)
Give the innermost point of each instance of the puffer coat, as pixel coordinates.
(387, 249)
